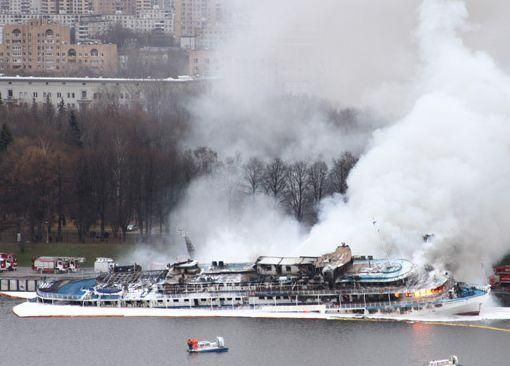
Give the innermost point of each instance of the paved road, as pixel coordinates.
(28, 272)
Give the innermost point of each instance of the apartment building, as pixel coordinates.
(20, 6)
(109, 7)
(203, 23)
(143, 5)
(146, 21)
(103, 6)
(40, 46)
(65, 6)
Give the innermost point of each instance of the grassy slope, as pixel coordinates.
(90, 251)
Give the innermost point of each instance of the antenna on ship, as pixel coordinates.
(189, 245)
(384, 247)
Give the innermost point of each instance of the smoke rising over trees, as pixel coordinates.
(100, 169)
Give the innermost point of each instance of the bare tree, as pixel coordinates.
(317, 179)
(275, 178)
(340, 171)
(199, 162)
(254, 175)
(296, 192)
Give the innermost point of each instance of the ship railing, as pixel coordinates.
(57, 296)
(182, 289)
(383, 304)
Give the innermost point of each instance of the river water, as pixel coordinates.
(161, 341)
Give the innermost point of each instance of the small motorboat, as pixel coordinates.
(196, 346)
(451, 361)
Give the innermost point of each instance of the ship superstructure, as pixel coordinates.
(336, 283)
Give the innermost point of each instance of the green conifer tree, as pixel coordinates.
(74, 131)
(5, 137)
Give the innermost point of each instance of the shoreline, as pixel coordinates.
(17, 295)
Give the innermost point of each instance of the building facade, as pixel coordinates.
(43, 47)
(146, 21)
(203, 23)
(81, 92)
(20, 6)
(205, 63)
(65, 6)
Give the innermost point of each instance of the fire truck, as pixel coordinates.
(8, 262)
(57, 264)
(501, 277)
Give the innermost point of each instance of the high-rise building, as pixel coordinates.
(20, 6)
(201, 23)
(65, 6)
(104, 7)
(49, 6)
(149, 21)
(110, 7)
(143, 5)
(43, 47)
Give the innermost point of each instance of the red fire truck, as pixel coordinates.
(501, 277)
(8, 262)
(57, 264)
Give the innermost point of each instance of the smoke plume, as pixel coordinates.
(442, 168)
(432, 128)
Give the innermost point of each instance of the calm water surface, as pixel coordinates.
(160, 341)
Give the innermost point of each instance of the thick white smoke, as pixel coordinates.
(226, 223)
(440, 168)
(340, 51)
(443, 168)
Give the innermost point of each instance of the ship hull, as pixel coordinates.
(467, 307)
(209, 350)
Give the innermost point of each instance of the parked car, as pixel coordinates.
(132, 227)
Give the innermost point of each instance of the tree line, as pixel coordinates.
(106, 165)
(299, 186)
(100, 169)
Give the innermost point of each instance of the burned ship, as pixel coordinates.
(336, 284)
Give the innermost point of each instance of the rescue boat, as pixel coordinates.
(451, 361)
(196, 346)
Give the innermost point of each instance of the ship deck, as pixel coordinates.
(378, 270)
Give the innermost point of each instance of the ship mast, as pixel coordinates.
(386, 248)
(189, 245)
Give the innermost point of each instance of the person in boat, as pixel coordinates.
(195, 343)
(189, 342)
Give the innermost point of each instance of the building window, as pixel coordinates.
(84, 94)
(34, 94)
(9, 93)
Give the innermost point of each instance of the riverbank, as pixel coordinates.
(88, 250)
